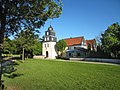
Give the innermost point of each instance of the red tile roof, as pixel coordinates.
(91, 42)
(73, 41)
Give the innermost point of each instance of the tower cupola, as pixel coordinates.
(50, 28)
(49, 35)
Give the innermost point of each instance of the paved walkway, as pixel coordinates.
(87, 62)
(97, 62)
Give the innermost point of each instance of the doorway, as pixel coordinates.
(46, 54)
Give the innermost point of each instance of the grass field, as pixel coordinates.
(59, 75)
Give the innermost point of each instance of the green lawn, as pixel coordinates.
(59, 75)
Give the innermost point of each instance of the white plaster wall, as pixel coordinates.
(51, 50)
(84, 46)
(72, 47)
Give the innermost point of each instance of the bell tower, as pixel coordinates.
(48, 45)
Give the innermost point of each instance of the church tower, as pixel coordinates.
(48, 45)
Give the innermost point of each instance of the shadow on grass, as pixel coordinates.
(14, 75)
(16, 58)
(15, 63)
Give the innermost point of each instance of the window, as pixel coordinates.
(82, 42)
(70, 55)
(47, 38)
(47, 33)
(75, 48)
(45, 45)
(52, 39)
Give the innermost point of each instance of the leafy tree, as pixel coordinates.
(37, 48)
(29, 41)
(19, 14)
(111, 40)
(8, 46)
(60, 46)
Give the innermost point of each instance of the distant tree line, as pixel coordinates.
(26, 39)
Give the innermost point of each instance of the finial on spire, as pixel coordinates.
(50, 22)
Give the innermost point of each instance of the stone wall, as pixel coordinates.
(117, 61)
(39, 57)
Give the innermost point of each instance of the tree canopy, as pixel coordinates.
(28, 40)
(8, 46)
(60, 46)
(18, 14)
(111, 40)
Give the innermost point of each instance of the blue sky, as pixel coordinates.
(86, 18)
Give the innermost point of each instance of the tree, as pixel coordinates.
(29, 41)
(111, 40)
(37, 48)
(60, 46)
(20, 14)
(8, 46)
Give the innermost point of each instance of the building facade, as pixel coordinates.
(77, 47)
(48, 45)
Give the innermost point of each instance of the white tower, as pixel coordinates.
(48, 45)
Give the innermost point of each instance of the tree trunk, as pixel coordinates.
(0, 64)
(2, 30)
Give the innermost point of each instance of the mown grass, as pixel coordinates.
(59, 75)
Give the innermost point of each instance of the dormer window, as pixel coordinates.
(83, 43)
